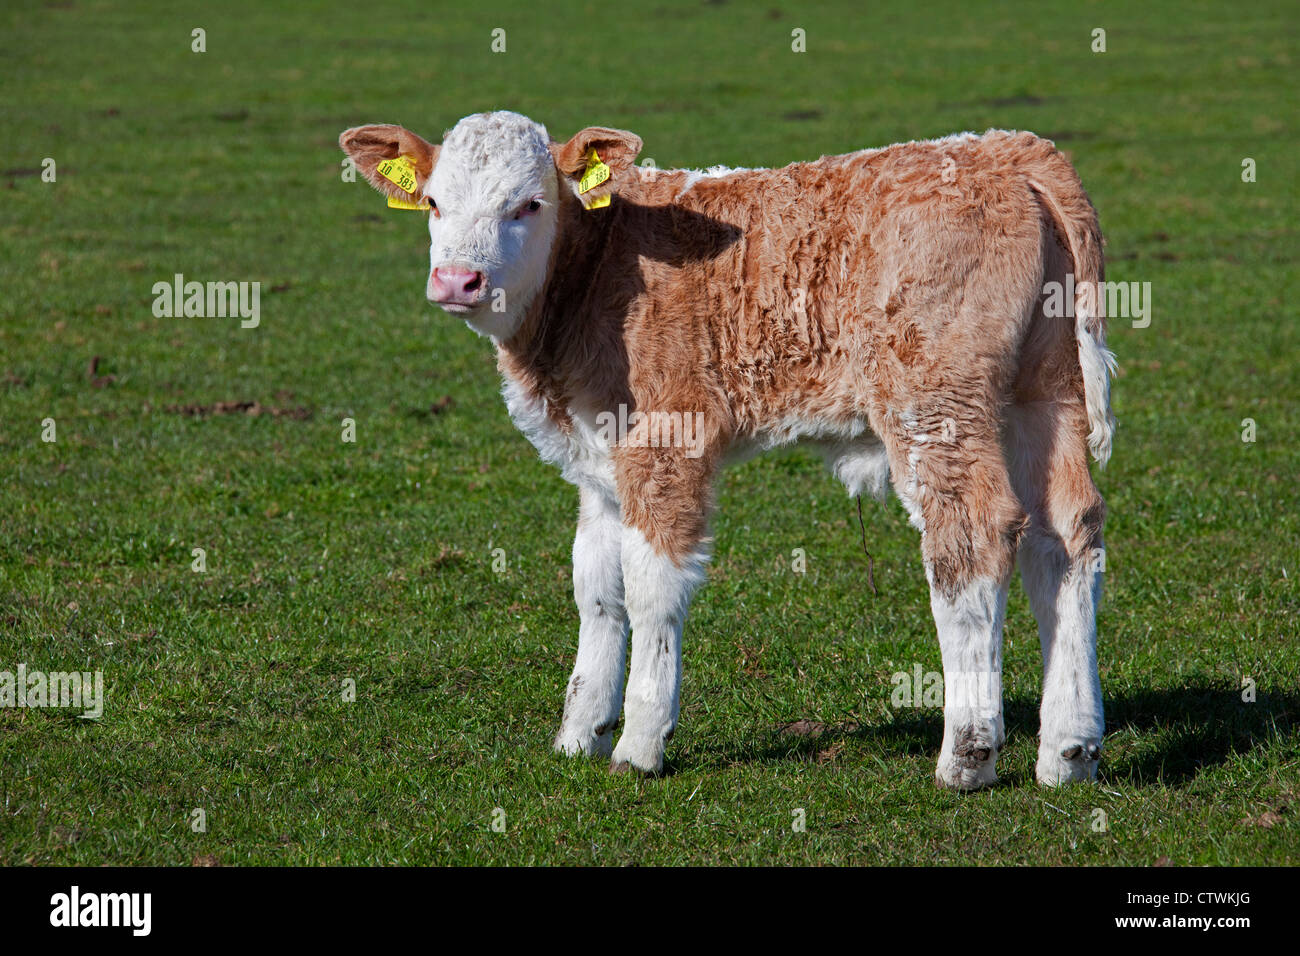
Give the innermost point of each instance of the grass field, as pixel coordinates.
(373, 561)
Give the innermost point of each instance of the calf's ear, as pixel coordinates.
(368, 146)
(615, 148)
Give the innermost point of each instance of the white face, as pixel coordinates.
(496, 206)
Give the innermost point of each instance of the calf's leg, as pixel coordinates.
(1061, 563)
(969, 619)
(595, 692)
(950, 473)
(664, 496)
(659, 591)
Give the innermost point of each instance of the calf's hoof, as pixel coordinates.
(1072, 760)
(969, 771)
(592, 743)
(969, 761)
(641, 753)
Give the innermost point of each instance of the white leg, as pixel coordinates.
(970, 640)
(595, 692)
(658, 595)
(1064, 596)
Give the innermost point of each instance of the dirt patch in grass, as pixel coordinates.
(297, 413)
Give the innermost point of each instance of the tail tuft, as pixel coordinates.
(1052, 177)
(1098, 364)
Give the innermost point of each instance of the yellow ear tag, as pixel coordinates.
(595, 174)
(395, 203)
(599, 203)
(400, 172)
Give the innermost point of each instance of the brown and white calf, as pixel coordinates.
(885, 306)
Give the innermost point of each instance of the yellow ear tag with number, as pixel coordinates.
(400, 172)
(595, 174)
(395, 203)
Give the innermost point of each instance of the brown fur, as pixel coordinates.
(919, 269)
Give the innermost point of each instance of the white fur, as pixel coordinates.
(657, 594)
(693, 176)
(1064, 598)
(582, 455)
(862, 465)
(913, 491)
(795, 428)
(595, 691)
(490, 166)
(1097, 364)
(970, 640)
(851, 450)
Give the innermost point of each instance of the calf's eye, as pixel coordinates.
(529, 209)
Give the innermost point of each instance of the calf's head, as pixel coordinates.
(495, 190)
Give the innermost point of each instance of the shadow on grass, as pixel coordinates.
(1167, 736)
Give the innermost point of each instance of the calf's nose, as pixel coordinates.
(455, 285)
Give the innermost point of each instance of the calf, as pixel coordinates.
(886, 306)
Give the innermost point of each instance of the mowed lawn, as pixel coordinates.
(371, 564)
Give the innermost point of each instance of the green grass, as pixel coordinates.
(372, 561)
